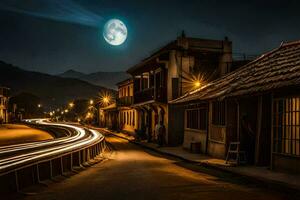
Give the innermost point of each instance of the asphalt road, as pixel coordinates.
(129, 172)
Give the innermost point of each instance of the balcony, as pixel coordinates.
(125, 101)
(157, 94)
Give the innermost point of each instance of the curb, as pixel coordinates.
(268, 183)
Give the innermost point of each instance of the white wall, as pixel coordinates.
(191, 135)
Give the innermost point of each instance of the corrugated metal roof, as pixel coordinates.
(276, 69)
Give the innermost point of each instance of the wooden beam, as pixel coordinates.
(272, 132)
(258, 129)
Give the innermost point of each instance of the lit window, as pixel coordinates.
(286, 126)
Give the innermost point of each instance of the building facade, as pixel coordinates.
(257, 106)
(127, 116)
(4, 97)
(108, 117)
(177, 68)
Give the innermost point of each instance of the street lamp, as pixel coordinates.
(106, 99)
(88, 115)
(91, 102)
(71, 105)
(66, 110)
(197, 83)
(39, 105)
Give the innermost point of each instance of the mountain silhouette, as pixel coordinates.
(52, 90)
(105, 79)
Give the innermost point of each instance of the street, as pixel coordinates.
(128, 172)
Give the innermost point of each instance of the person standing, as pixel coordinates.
(161, 134)
(248, 139)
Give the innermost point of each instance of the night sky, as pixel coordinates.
(55, 35)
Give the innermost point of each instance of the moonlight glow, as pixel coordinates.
(115, 32)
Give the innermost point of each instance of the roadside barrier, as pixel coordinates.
(20, 170)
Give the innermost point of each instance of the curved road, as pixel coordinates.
(129, 172)
(16, 156)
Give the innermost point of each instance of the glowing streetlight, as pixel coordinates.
(197, 83)
(91, 102)
(71, 105)
(39, 105)
(88, 115)
(106, 100)
(62, 112)
(66, 110)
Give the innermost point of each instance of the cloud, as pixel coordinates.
(64, 11)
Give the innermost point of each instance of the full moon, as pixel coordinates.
(115, 32)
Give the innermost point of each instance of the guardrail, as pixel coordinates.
(29, 172)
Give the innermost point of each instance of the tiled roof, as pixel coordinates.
(275, 69)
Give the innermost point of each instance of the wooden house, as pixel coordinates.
(257, 105)
(170, 72)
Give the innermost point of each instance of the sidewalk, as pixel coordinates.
(260, 174)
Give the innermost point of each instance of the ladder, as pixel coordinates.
(239, 157)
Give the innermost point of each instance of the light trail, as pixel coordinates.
(15, 156)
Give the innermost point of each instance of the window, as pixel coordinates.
(196, 118)
(286, 126)
(151, 80)
(158, 79)
(145, 81)
(218, 113)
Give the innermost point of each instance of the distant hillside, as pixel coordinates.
(52, 90)
(71, 74)
(106, 79)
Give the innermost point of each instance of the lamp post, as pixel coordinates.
(91, 102)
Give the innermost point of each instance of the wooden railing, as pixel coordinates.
(157, 94)
(125, 101)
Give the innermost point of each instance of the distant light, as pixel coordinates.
(91, 102)
(39, 105)
(88, 115)
(62, 112)
(66, 111)
(71, 105)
